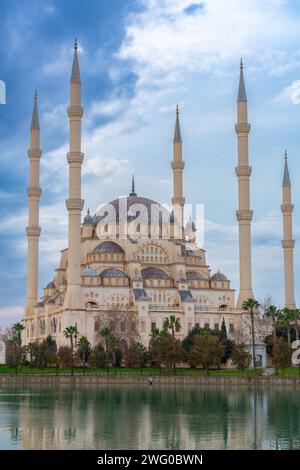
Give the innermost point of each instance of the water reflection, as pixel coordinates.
(140, 417)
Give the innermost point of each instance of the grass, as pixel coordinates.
(147, 371)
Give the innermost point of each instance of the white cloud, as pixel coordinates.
(10, 315)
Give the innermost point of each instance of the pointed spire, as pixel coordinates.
(133, 193)
(35, 123)
(242, 89)
(286, 175)
(75, 77)
(177, 133)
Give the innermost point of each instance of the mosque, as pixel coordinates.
(133, 263)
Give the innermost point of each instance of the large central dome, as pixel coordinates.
(133, 206)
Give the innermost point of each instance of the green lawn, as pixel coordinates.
(25, 370)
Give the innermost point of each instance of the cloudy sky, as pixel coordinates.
(138, 59)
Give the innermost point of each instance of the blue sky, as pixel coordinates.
(138, 59)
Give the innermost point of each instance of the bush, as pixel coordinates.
(207, 350)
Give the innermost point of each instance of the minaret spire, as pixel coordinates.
(243, 172)
(74, 203)
(288, 243)
(177, 167)
(33, 230)
(242, 96)
(133, 193)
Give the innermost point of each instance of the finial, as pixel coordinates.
(35, 94)
(285, 154)
(75, 44)
(88, 211)
(177, 109)
(241, 64)
(133, 193)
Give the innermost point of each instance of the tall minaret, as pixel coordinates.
(244, 214)
(288, 242)
(34, 193)
(74, 203)
(177, 167)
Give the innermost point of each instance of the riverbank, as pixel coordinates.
(146, 380)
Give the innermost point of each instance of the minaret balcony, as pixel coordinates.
(75, 112)
(33, 231)
(242, 128)
(287, 208)
(34, 153)
(75, 157)
(244, 215)
(178, 165)
(243, 171)
(289, 244)
(34, 192)
(74, 204)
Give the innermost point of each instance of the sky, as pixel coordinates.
(138, 59)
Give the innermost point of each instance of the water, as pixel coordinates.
(145, 417)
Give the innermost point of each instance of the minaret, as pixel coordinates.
(288, 242)
(177, 167)
(34, 193)
(243, 172)
(74, 204)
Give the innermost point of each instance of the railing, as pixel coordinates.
(165, 308)
(205, 309)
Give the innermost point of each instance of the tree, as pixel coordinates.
(272, 312)
(168, 352)
(286, 318)
(16, 341)
(172, 323)
(84, 349)
(136, 355)
(240, 356)
(97, 358)
(32, 350)
(71, 332)
(295, 321)
(251, 305)
(110, 342)
(65, 357)
(206, 350)
(155, 340)
(281, 354)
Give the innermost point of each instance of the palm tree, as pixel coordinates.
(286, 318)
(16, 341)
(172, 323)
(110, 342)
(273, 312)
(251, 305)
(71, 332)
(31, 349)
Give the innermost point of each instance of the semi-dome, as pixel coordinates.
(194, 276)
(112, 272)
(89, 272)
(108, 247)
(218, 277)
(51, 285)
(154, 273)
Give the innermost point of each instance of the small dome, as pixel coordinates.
(89, 272)
(218, 277)
(154, 273)
(108, 247)
(194, 276)
(51, 285)
(112, 272)
(88, 218)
